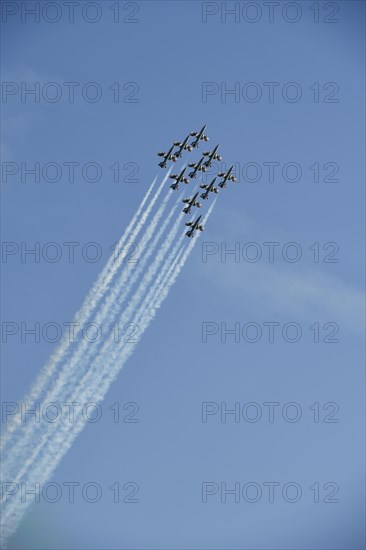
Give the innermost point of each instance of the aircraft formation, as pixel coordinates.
(197, 168)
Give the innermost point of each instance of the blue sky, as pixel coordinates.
(169, 53)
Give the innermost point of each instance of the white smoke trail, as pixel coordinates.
(159, 294)
(110, 362)
(92, 299)
(115, 299)
(99, 384)
(129, 311)
(101, 367)
(153, 301)
(103, 282)
(109, 351)
(49, 453)
(69, 375)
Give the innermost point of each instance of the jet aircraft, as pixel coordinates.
(227, 177)
(199, 136)
(183, 146)
(179, 178)
(209, 189)
(212, 155)
(191, 202)
(195, 226)
(197, 168)
(167, 156)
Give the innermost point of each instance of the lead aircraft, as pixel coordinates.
(199, 136)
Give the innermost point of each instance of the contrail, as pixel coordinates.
(68, 376)
(102, 367)
(97, 376)
(171, 275)
(91, 301)
(116, 358)
(154, 303)
(27, 433)
(49, 453)
(117, 295)
(95, 382)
